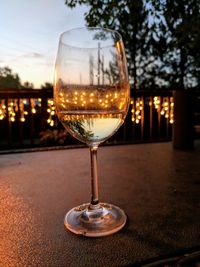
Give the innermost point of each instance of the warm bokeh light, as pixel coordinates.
(164, 106)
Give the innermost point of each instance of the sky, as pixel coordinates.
(29, 35)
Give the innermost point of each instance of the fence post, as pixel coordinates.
(31, 117)
(20, 123)
(151, 117)
(44, 114)
(9, 125)
(183, 129)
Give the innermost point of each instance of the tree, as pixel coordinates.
(8, 79)
(28, 85)
(179, 28)
(162, 38)
(47, 85)
(130, 18)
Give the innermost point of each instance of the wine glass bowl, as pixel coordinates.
(91, 95)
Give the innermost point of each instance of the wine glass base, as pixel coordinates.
(94, 221)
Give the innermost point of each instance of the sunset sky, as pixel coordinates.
(30, 32)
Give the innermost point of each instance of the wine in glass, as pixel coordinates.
(91, 95)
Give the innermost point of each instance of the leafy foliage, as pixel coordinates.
(28, 85)
(162, 38)
(130, 19)
(8, 79)
(47, 85)
(181, 30)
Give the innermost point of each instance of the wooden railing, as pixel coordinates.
(24, 114)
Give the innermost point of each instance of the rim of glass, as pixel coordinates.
(116, 33)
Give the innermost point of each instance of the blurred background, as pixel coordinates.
(162, 41)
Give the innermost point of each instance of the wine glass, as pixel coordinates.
(91, 95)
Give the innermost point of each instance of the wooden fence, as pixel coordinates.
(27, 119)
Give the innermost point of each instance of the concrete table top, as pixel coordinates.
(158, 187)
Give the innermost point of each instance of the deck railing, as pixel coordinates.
(25, 114)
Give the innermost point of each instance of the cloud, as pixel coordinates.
(32, 55)
(36, 55)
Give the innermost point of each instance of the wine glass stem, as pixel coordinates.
(94, 178)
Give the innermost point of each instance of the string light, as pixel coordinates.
(39, 102)
(11, 110)
(22, 111)
(2, 109)
(167, 109)
(51, 111)
(13, 107)
(156, 102)
(171, 112)
(136, 110)
(94, 99)
(32, 102)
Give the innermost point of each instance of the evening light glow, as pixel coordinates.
(30, 33)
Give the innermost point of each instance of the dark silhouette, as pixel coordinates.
(161, 38)
(8, 79)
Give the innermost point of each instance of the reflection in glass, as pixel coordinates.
(91, 94)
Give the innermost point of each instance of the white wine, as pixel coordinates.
(92, 113)
(91, 97)
(91, 128)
